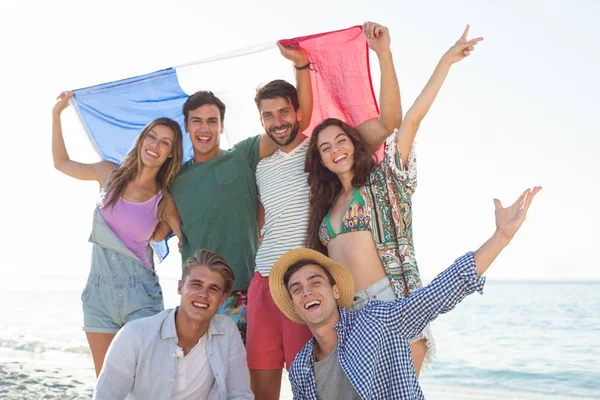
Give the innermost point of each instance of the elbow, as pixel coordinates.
(391, 123)
(59, 165)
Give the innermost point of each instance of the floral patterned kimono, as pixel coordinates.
(388, 199)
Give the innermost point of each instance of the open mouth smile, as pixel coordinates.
(199, 305)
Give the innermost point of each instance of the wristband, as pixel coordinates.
(307, 66)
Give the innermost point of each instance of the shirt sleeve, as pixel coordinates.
(118, 372)
(403, 176)
(412, 314)
(238, 376)
(296, 391)
(251, 149)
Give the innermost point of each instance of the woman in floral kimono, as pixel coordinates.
(360, 210)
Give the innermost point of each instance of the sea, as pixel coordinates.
(520, 340)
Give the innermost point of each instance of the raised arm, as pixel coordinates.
(375, 131)
(508, 222)
(299, 58)
(412, 120)
(410, 315)
(88, 172)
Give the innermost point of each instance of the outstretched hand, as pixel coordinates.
(63, 102)
(462, 48)
(294, 53)
(510, 219)
(378, 36)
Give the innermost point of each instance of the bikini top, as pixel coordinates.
(356, 218)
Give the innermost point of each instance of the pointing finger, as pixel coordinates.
(465, 33)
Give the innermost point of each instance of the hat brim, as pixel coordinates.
(279, 292)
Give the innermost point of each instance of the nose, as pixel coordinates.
(277, 120)
(203, 127)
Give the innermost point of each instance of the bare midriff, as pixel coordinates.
(357, 252)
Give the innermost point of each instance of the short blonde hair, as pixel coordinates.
(214, 262)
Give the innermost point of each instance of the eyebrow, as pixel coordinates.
(209, 285)
(310, 278)
(336, 136)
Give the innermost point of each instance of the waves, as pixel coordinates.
(41, 346)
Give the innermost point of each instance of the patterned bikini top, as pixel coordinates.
(356, 218)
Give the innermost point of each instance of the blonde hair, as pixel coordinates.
(214, 262)
(132, 165)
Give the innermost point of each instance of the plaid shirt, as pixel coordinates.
(374, 342)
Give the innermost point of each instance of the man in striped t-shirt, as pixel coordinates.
(273, 339)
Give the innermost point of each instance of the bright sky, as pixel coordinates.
(521, 111)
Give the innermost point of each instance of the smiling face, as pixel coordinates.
(157, 146)
(280, 120)
(205, 126)
(314, 298)
(336, 150)
(202, 293)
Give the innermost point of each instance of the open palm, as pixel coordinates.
(510, 219)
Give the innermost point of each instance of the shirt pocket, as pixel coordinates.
(226, 172)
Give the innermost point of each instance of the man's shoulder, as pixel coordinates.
(296, 157)
(224, 324)
(245, 144)
(146, 324)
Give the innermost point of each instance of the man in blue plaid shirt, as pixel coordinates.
(366, 354)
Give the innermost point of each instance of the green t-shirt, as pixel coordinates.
(217, 201)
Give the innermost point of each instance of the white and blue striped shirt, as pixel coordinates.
(374, 342)
(283, 190)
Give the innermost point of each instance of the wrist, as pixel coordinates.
(500, 239)
(382, 54)
(300, 66)
(445, 62)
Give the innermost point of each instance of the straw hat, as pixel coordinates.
(341, 275)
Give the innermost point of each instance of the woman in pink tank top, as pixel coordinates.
(135, 207)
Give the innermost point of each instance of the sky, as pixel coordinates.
(522, 110)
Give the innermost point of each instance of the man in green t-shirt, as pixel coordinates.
(216, 192)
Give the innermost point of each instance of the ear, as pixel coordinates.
(223, 299)
(179, 287)
(185, 126)
(222, 127)
(336, 291)
(299, 115)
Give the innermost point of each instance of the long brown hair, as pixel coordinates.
(132, 165)
(324, 184)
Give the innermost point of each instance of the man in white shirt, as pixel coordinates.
(184, 353)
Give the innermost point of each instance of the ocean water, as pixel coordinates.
(526, 340)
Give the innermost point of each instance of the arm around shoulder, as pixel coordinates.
(169, 222)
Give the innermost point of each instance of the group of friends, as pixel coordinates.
(297, 250)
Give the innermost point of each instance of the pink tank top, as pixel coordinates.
(133, 223)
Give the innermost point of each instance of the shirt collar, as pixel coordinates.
(343, 322)
(169, 330)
